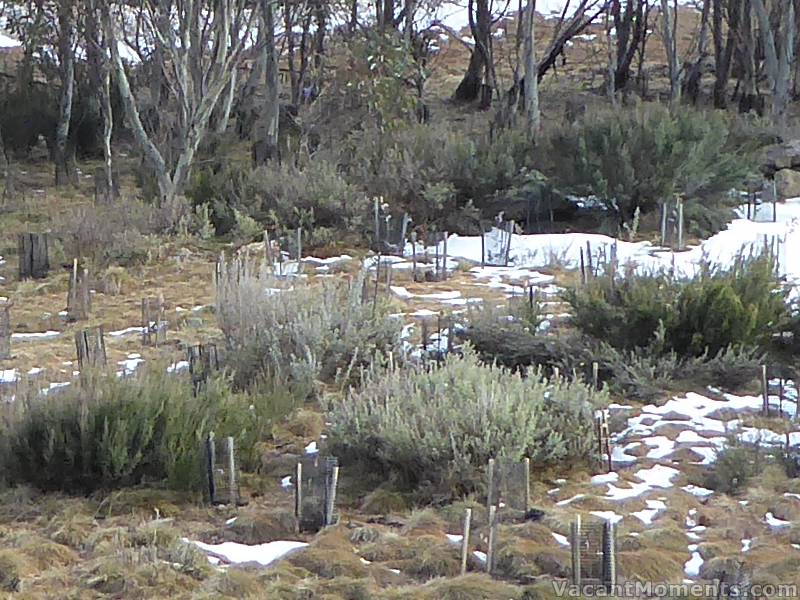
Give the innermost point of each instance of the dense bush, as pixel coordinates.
(437, 174)
(304, 335)
(108, 235)
(720, 308)
(443, 425)
(110, 432)
(284, 196)
(634, 159)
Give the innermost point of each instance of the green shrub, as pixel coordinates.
(441, 425)
(437, 174)
(110, 432)
(719, 309)
(640, 373)
(307, 334)
(734, 467)
(315, 197)
(635, 159)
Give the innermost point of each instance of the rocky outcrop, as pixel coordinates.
(781, 156)
(787, 183)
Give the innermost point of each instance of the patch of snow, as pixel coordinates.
(263, 554)
(8, 375)
(181, 365)
(695, 490)
(746, 545)
(561, 539)
(773, 521)
(605, 478)
(312, 448)
(647, 515)
(570, 500)
(26, 337)
(124, 332)
(657, 476)
(692, 566)
(607, 515)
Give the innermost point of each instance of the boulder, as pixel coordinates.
(781, 156)
(787, 183)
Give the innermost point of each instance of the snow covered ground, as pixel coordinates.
(741, 236)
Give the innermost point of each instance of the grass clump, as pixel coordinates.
(304, 335)
(111, 432)
(442, 425)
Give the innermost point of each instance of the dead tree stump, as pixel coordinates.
(91, 348)
(154, 324)
(79, 299)
(34, 261)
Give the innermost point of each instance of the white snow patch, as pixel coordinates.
(263, 554)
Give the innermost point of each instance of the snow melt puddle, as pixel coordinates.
(263, 554)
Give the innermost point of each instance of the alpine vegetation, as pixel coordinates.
(442, 424)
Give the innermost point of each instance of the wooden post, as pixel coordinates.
(211, 467)
(483, 248)
(465, 540)
(450, 335)
(403, 230)
(377, 284)
(438, 335)
(510, 230)
(444, 257)
(526, 463)
(203, 360)
(377, 211)
(664, 211)
(490, 484)
(424, 334)
(298, 493)
(5, 330)
(414, 255)
(492, 538)
(589, 267)
(575, 546)
(780, 396)
(556, 374)
(680, 224)
(34, 261)
(583, 269)
(765, 389)
(330, 504)
(299, 250)
(90, 347)
(609, 556)
(153, 321)
(595, 375)
(436, 275)
(234, 494)
(79, 298)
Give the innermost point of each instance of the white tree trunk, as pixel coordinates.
(65, 169)
(778, 56)
(531, 68)
(669, 21)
